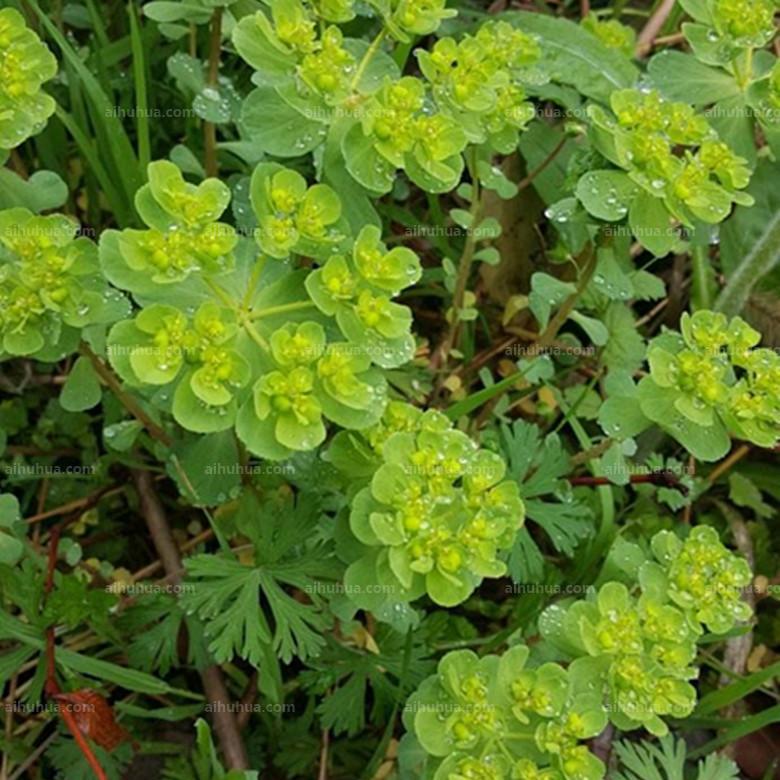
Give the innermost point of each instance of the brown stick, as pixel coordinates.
(225, 724)
(653, 27)
(209, 128)
(132, 406)
(77, 504)
(734, 457)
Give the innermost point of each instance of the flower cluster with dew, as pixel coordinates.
(437, 514)
(716, 376)
(184, 234)
(258, 345)
(25, 65)
(671, 153)
(50, 285)
(504, 717)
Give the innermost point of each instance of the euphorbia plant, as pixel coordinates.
(375, 406)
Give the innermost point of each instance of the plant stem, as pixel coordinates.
(367, 57)
(701, 292)
(734, 457)
(214, 687)
(547, 337)
(757, 264)
(464, 266)
(254, 335)
(542, 165)
(282, 308)
(257, 272)
(209, 128)
(132, 406)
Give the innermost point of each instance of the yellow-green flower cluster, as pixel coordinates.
(404, 132)
(406, 18)
(611, 33)
(635, 646)
(313, 380)
(358, 291)
(436, 514)
(162, 341)
(25, 64)
(644, 647)
(701, 576)
(719, 377)
(292, 216)
(477, 80)
(184, 236)
(498, 718)
(48, 279)
(673, 154)
(747, 23)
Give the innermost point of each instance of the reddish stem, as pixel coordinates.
(52, 687)
(662, 478)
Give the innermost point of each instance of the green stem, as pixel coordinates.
(556, 323)
(283, 308)
(209, 128)
(223, 296)
(701, 290)
(761, 259)
(254, 335)
(466, 258)
(367, 57)
(257, 272)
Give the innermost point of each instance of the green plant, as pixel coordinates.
(389, 389)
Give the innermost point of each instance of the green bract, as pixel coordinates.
(714, 376)
(700, 576)
(398, 130)
(25, 64)
(670, 155)
(242, 355)
(50, 285)
(293, 217)
(635, 643)
(436, 515)
(418, 17)
(184, 236)
(611, 33)
(162, 344)
(358, 290)
(381, 121)
(498, 718)
(744, 23)
(477, 80)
